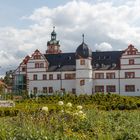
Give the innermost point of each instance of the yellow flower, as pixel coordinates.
(79, 107)
(69, 104)
(83, 116)
(75, 114)
(80, 112)
(45, 108)
(60, 103)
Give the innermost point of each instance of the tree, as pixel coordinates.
(1, 89)
(8, 78)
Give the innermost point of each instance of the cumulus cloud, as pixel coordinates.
(103, 47)
(107, 25)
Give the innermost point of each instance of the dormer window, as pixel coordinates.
(69, 58)
(102, 65)
(114, 64)
(99, 58)
(108, 57)
(97, 65)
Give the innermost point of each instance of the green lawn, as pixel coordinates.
(102, 125)
(98, 118)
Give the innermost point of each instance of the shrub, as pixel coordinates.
(8, 112)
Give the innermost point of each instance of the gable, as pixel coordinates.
(131, 50)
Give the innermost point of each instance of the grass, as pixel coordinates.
(62, 122)
(98, 125)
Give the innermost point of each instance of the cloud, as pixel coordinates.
(107, 25)
(103, 47)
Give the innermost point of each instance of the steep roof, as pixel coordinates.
(106, 60)
(61, 62)
(100, 61)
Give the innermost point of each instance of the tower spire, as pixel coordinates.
(53, 34)
(53, 28)
(83, 37)
(53, 46)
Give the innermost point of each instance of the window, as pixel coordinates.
(82, 62)
(99, 88)
(50, 89)
(41, 65)
(37, 57)
(129, 74)
(110, 75)
(99, 75)
(63, 90)
(131, 61)
(23, 69)
(130, 88)
(111, 88)
(35, 77)
(70, 76)
(50, 76)
(44, 76)
(131, 52)
(35, 90)
(74, 91)
(99, 58)
(134, 52)
(82, 82)
(36, 65)
(58, 76)
(44, 89)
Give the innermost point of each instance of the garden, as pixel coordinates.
(71, 117)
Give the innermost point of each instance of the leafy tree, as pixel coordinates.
(8, 78)
(1, 89)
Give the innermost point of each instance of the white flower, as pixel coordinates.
(45, 108)
(45, 137)
(80, 112)
(69, 104)
(75, 114)
(60, 103)
(79, 107)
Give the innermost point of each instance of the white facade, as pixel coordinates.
(123, 79)
(83, 74)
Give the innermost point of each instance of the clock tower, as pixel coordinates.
(53, 46)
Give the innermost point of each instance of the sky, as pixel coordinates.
(26, 26)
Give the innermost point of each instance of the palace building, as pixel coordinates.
(79, 72)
